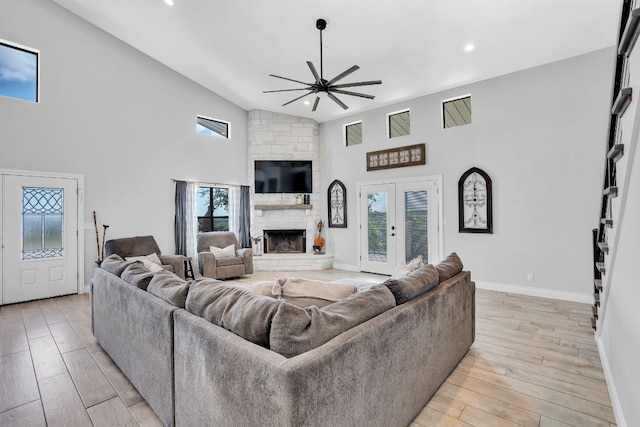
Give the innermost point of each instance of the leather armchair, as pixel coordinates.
(223, 268)
(144, 245)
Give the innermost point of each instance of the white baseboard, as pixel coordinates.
(536, 292)
(347, 267)
(613, 394)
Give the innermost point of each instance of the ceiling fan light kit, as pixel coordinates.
(321, 86)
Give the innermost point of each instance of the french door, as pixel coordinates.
(399, 221)
(39, 237)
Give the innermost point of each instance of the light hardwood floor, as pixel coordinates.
(534, 363)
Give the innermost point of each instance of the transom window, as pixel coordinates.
(353, 133)
(213, 127)
(213, 209)
(18, 71)
(456, 112)
(398, 124)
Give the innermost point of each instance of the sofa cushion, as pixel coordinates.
(237, 309)
(449, 267)
(234, 260)
(114, 264)
(413, 284)
(295, 330)
(169, 287)
(137, 274)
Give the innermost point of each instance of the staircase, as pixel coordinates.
(621, 131)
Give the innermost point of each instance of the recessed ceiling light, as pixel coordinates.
(169, 2)
(307, 103)
(469, 47)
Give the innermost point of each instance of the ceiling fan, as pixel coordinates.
(321, 85)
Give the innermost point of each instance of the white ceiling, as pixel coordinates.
(415, 47)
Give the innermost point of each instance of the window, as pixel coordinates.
(353, 134)
(213, 127)
(398, 123)
(42, 222)
(18, 71)
(213, 209)
(456, 112)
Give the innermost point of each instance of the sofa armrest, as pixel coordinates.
(207, 264)
(176, 261)
(247, 258)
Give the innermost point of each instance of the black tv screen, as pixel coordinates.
(283, 176)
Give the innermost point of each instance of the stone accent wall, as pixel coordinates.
(274, 136)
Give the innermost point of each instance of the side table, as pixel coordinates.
(188, 268)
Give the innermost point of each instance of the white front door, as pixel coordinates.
(398, 222)
(39, 237)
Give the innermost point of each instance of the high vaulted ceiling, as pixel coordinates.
(416, 47)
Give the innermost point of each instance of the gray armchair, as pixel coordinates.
(144, 245)
(222, 268)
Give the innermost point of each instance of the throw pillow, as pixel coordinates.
(449, 267)
(305, 292)
(169, 287)
(228, 252)
(239, 310)
(151, 261)
(414, 284)
(295, 330)
(138, 275)
(114, 264)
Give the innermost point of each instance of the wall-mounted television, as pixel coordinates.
(283, 176)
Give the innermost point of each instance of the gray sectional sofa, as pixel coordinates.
(209, 353)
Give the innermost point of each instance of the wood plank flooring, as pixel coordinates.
(534, 363)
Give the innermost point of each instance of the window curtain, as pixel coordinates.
(244, 235)
(180, 219)
(239, 214)
(192, 224)
(234, 208)
(186, 221)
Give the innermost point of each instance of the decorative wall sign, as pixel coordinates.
(411, 155)
(337, 202)
(474, 202)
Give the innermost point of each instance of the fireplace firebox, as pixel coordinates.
(285, 241)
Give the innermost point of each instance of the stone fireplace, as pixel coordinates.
(275, 136)
(285, 241)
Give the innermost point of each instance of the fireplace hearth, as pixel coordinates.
(285, 241)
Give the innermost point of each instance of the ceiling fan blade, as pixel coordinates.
(371, 82)
(343, 75)
(315, 104)
(291, 80)
(295, 99)
(346, 92)
(286, 90)
(314, 72)
(337, 101)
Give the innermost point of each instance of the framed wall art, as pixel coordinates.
(410, 155)
(474, 202)
(337, 203)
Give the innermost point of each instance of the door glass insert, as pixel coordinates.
(377, 225)
(42, 223)
(416, 225)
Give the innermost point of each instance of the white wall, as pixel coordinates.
(117, 116)
(539, 134)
